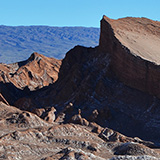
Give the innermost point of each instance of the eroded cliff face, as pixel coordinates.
(91, 79)
(132, 44)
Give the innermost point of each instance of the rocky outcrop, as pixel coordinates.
(25, 136)
(77, 119)
(49, 115)
(132, 44)
(13, 119)
(53, 141)
(18, 79)
(107, 134)
(70, 153)
(36, 72)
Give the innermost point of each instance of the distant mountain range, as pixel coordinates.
(18, 42)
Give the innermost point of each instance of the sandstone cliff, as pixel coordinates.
(133, 46)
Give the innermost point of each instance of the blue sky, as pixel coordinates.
(73, 12)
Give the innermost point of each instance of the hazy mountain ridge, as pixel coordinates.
(18, 42)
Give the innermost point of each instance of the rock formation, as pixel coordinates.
(106, 99)
(18, 79)
(132, 44)
(36, 72)
(94, 80)
(24, 135)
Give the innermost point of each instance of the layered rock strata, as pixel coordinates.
(36, 72)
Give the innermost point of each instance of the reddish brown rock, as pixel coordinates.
(24, 132)
(36, 72)
(49, 115)
(77, 119)
(71, 154)
(12, 118)
(110, 135)
(95, 127)
(60, 118)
